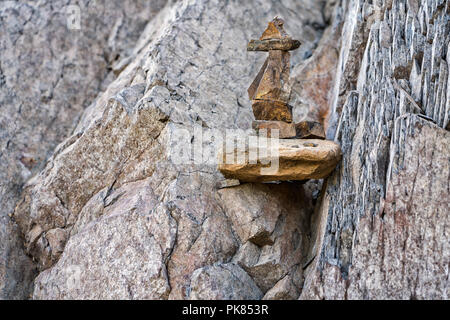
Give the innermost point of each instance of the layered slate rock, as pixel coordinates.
(270, 91)
(285, 289)
(298, 159)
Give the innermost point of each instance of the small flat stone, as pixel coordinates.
(309, 130)
(285, 129)
(285, 44)
(298, 159)
(227, 183)
(272, 110)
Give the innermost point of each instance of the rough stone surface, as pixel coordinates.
(16, 269)
(380, 226)
(114, 188)
(48, 75)
(283, 129)
(281, 159)
(313, 79)
(227, 183)
(273, 78)
(269, 110)
(285, 289)
(273, 225)
(309, 130)
(273, 44)
(120, 255)
(274, 30)
(404, 241)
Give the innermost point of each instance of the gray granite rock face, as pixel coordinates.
(223, 282)
(55, 57)
(113, 215)
(381, 225)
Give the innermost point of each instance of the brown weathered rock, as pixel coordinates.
(285, 44)
(272, 110)
(313, 79)
(227, 183)
(298, 160)
(283, 129)
(274, 30)
(270, 90)
(223, 282)
(403, 240)
(272, 82)
(51, 71)
(309, 130)
(255, 218)
(285, 289)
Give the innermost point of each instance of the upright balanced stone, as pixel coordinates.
(270, 91)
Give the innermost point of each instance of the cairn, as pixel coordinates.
(270, 92)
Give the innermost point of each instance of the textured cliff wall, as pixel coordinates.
(110, 213)
(112, 216)
(51, 69)
(382, 224)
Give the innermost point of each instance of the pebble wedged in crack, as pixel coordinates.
(190, 72)
(48, 75)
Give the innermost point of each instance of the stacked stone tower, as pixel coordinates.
(270, 91)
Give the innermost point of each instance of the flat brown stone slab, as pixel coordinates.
(285, 44)
(272, 110)
(285, 129)
(298, 159)
(309, 130)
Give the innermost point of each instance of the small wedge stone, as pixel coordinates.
(285, 129)
(227, 183)
(274, 30)
(309, 130)
(297, 160)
